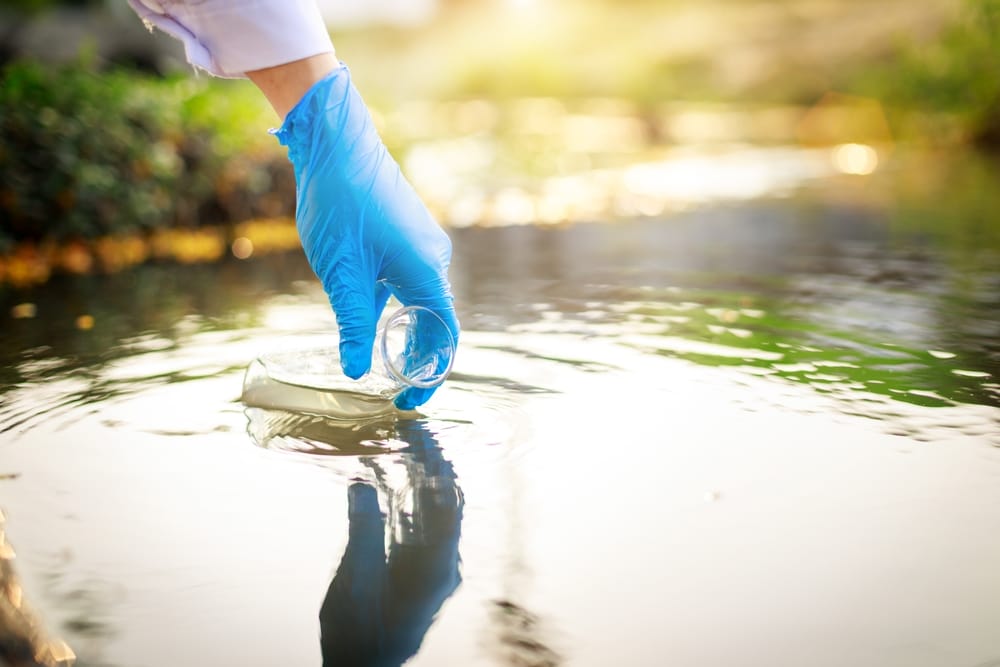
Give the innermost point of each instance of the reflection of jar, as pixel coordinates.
(414, 348)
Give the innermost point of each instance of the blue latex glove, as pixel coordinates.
(365, 231)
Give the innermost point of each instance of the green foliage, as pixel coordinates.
(29, 6)
(76, 155)
(86, 153)
(958, 73)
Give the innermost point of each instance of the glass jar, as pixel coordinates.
(413, 348)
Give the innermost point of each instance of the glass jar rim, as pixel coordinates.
(444, 336)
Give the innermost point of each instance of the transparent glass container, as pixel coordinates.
(413, 348)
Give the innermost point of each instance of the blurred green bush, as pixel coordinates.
(87, 153)
(958, 73)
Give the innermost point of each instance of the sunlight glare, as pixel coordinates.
(858, 159)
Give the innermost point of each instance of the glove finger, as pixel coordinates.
(442, 306)
(356, 319)
(420, 277)
(414, 396)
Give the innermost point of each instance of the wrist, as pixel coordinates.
(284, 85)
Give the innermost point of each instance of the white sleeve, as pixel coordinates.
(228, 38)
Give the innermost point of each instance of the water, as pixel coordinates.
(262, 389)
(413, 348)
(263, 392)
(762, 431)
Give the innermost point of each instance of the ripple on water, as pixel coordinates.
(469, 408)
(927, 393)
(319, 435)
(63, 390)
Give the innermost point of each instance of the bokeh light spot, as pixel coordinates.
(24, 311)
(242, 248)
(858, 159)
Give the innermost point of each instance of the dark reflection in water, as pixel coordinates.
(379, 605)
(519, 637)
(382, 601)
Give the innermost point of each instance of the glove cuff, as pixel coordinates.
(296, 131)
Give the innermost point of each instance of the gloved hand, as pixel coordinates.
(365, 231)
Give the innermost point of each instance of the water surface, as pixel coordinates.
(758, 431)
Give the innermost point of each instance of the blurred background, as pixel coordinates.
(501, 112)
(729, 279)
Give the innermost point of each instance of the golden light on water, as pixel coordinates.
(857, 159)
(32, 263)
(671, 181)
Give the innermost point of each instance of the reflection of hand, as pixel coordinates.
(378, 608)
(352, 619)
(365, 231)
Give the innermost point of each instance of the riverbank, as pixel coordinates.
(104, 167)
